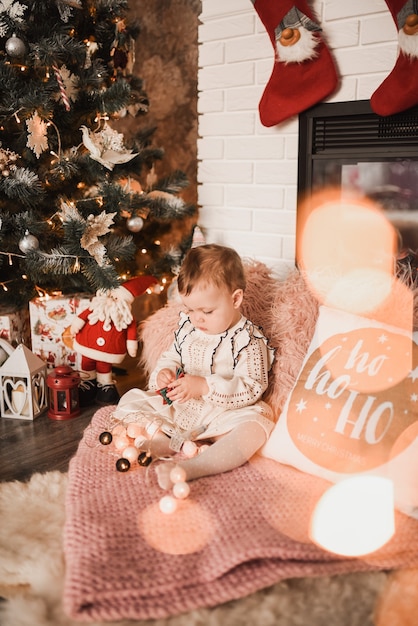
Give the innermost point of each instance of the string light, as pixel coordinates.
(12, 254)
(51, 123)
(42, 293)
(98, 199)
(101, 117)
(57, 256)
(12, 280)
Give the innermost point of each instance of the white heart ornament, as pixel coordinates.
(16, 397)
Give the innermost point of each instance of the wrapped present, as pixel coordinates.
(15, 326)
(50, 319)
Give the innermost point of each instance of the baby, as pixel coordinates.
(210, 381)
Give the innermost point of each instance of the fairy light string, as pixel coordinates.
(130, 442)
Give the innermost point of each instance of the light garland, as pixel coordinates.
(130, 441)
(77, 257)
(12, 254)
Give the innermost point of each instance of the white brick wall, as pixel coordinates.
(248, 173)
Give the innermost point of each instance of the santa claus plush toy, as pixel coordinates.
(103, 334)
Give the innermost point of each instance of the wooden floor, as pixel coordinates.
(45, 444)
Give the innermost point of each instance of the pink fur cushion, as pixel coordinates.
(290, 329)
(285, 310)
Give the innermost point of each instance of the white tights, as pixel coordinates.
(226, 453)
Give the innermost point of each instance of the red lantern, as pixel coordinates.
(64, 400)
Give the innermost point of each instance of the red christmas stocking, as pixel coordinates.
(304, 72)
(399, 91)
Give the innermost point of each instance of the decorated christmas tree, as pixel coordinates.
(82, 207)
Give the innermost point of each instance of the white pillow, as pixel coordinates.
(354, 406)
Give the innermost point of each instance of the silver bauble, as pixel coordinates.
(134, 224)
(15, 47)
(28, 242)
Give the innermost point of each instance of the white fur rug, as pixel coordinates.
(32, 574)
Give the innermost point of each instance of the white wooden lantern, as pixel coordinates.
(23, 393)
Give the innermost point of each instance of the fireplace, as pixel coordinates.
(345, 145)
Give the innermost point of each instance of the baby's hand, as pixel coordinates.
(165, 377)
(187, 387)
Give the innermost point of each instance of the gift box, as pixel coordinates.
(15, 326)
(50, 319)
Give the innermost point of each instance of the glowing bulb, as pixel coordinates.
(167, 505)
(181, 490)
(178, 474)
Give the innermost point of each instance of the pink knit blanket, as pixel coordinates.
(235, 534)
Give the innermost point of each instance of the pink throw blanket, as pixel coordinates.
(235, 534)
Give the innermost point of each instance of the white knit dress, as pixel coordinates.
(235, 365)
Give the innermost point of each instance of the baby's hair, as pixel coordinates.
(214, 264)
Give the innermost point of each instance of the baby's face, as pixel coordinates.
(213, 310)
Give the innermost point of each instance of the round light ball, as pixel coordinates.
(144, 459)
(121, 442)
(189, 448)
(130, 453)
(181, 490)
(105, 438)
(122, 465)
(167, 505)
(178, 474)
